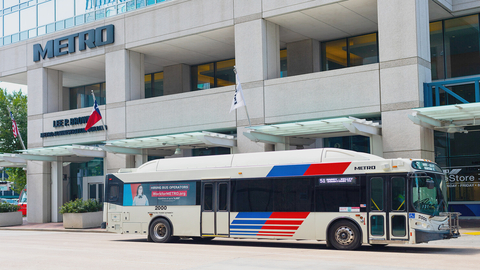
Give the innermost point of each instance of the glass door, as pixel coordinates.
(388, 214)
(215, 208)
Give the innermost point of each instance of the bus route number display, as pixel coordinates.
(337, 181)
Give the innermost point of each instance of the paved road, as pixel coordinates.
(77, 250)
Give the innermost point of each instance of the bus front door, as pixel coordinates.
(215, 208)
(388, 214)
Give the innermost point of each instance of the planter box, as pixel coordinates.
(82, 220)
(11, 219)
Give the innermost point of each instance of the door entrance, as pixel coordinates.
(388, 213)
(215, 208)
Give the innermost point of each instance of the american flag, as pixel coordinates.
(14, 126)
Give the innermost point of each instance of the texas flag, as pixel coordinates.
(94, 117)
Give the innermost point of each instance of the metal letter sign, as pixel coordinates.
(65, 45)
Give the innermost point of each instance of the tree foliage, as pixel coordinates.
(17, 102)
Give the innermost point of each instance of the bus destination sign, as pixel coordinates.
(337, 180)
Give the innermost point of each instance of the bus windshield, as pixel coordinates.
(429, 193)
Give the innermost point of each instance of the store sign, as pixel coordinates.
(71, 122)
(91, 38)
(462, 178)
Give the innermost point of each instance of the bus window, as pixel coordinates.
(222, 197)
(398, 193)
(208, 197)
(114, 191)
(376, 192)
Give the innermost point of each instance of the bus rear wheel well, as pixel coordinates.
(166, 219)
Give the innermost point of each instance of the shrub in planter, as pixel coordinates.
(8, 207)
(9, 215)
(81, 214)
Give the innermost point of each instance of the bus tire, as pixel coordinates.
(344, 235)
(160, 231)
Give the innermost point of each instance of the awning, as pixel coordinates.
(305, 132)
(449, 118)
(166, 144)
(4, 162)
(69, 153)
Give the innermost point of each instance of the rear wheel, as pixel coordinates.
(161, 231)
(344, 235)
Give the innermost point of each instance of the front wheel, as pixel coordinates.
(344, 235)
(160, 231)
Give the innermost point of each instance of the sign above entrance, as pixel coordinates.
(71, 122)
(60, 46)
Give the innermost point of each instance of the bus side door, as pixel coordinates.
(387, 208)
(215, 208)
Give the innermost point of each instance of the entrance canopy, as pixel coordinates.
(305, 132)
(166, 144)
(449, 118)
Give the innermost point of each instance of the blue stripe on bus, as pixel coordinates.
(264, 215)
(243, 234)
(288, 170)
(236, 221)
(245, 227)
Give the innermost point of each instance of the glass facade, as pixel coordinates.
(283, 63)
(154, 85)
(81, 96)
(211, 75)
(349, 52)
(24, 19)
(455, 47)
(80, 170)
(356, 143)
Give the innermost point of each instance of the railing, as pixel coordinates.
(432, 91)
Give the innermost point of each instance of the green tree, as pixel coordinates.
(17, 102)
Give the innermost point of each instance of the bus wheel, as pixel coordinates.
(160, 231)
(344, 235)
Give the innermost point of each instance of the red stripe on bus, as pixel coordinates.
(276, 232)
(289, 228)
(284, 222)
(327, 168)
(261, 234)
(290, 215)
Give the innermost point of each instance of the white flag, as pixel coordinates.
(238, 100)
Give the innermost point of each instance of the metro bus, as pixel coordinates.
(339, 196)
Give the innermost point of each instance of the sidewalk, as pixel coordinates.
(55, 227)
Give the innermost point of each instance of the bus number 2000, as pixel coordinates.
(160, 207)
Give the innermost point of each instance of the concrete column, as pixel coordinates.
(57, 189)
(176, 79)
(404, 50)
(303, 57)
(257, 50)
(39, 192)
(125, 81)
(141, 159)
(114, 162)
(45, 95)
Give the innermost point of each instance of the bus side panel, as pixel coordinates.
(323, 220)
(185, 219)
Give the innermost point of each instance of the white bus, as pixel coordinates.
(342, 197)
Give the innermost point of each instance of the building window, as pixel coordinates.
(455, 47)
(210, 151)
(283, 63)
(356, 143)
(349, 52)
(154, 85)
(211, 75)
(81, 97)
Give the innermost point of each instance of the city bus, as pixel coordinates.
(343, 197)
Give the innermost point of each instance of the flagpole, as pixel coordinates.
(103, 123)
(248, 117)
(19, 134)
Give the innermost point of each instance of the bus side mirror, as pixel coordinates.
(430, 184)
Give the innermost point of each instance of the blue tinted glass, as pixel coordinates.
(7, 40)
(24, 35)
(60, 25)
(42, 30)
(130, 5)
(121, 8)
(79, 20)
(90, 17)
(1, 41)
(69, 23)
(51, 28)
(100, 14)
(32, 33)
(140, 3)
(150, 2)
(15, 38)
